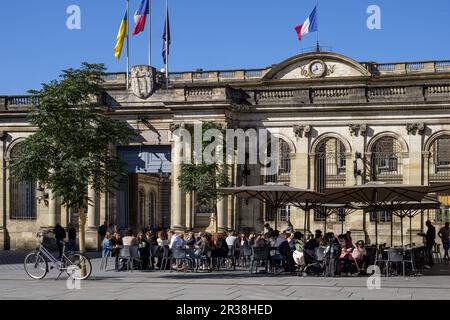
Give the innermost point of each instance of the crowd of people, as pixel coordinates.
(297, 248)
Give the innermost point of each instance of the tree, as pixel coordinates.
(202, 179)
(71, 148)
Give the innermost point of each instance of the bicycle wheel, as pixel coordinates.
(35, 265)
(78, 266)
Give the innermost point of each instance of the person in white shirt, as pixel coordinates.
(232, 240)
(175, 240)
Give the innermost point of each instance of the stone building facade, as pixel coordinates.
(340, 123)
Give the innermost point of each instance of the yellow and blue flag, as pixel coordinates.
(123, 33)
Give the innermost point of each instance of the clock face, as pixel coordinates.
(317, 69)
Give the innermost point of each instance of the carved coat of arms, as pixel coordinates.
(143, 80)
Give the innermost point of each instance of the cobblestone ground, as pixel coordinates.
(223, 285)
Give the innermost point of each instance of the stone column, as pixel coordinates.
(91, 213)
(222, 206)
(189, 212)
(426, 167)
(3, 230)
(52, 201)
(176, 214)
(92, 237)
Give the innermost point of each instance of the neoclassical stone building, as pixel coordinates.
(340, 122)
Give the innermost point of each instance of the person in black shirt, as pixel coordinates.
(72, 238)
(60, 235)
(430, 238)
(102, 230)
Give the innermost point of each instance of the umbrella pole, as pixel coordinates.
(401, 229)
(305, 223)
(342, 225)
(276, 219)
(376, 228)
(325, 225)
(392, 230)
(410, 230)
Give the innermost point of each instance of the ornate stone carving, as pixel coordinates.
(302, 130)
(356, 129)
(174, 126)
(363, 129)
(416, 128)
(143, 81)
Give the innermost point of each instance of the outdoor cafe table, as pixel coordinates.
(406, 254)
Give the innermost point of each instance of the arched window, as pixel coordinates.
(439, 171)
(440, 160)
(330, 166)
(22, 194)
(386, 162)
(284, 165)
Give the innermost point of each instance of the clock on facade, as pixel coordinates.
(317, 68)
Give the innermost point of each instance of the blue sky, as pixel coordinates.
(212, 34)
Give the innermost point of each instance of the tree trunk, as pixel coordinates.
(82, 235)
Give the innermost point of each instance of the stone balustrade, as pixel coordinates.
(227, 76)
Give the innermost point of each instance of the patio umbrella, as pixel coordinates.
(440, 187)
(376, 196)
(410, 210)
(276, 196)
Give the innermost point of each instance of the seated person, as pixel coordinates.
(129, 239)
(299, 244)
(346, 257)
(359, 254)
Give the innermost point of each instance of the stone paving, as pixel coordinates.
(223, 285)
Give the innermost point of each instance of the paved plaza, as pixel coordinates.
(223, 285)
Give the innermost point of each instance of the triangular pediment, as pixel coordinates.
(317, 65)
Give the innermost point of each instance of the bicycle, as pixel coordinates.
(75, 264)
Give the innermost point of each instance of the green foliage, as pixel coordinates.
(203, 179)
(72, 145)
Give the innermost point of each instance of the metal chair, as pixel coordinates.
(260, 255)
(166, 258)
(410, 258)
(396, 257)
(381, 259)
(437, 256)
(125, 257)
(135, 257)
(245, 254)
(276, 260)
(231, 258)
(180, 255)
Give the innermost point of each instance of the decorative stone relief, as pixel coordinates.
(356, 129)
(302, 130)
(416, 128)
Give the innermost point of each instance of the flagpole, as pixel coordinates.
(128, 44)
(150, 33)
(167, 44)
(317, 18)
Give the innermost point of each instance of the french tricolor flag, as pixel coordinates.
(310, 25)
(140, 17)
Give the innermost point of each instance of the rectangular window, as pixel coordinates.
(318, 217)
(285, 213)
(383, 216)
(22, 196)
